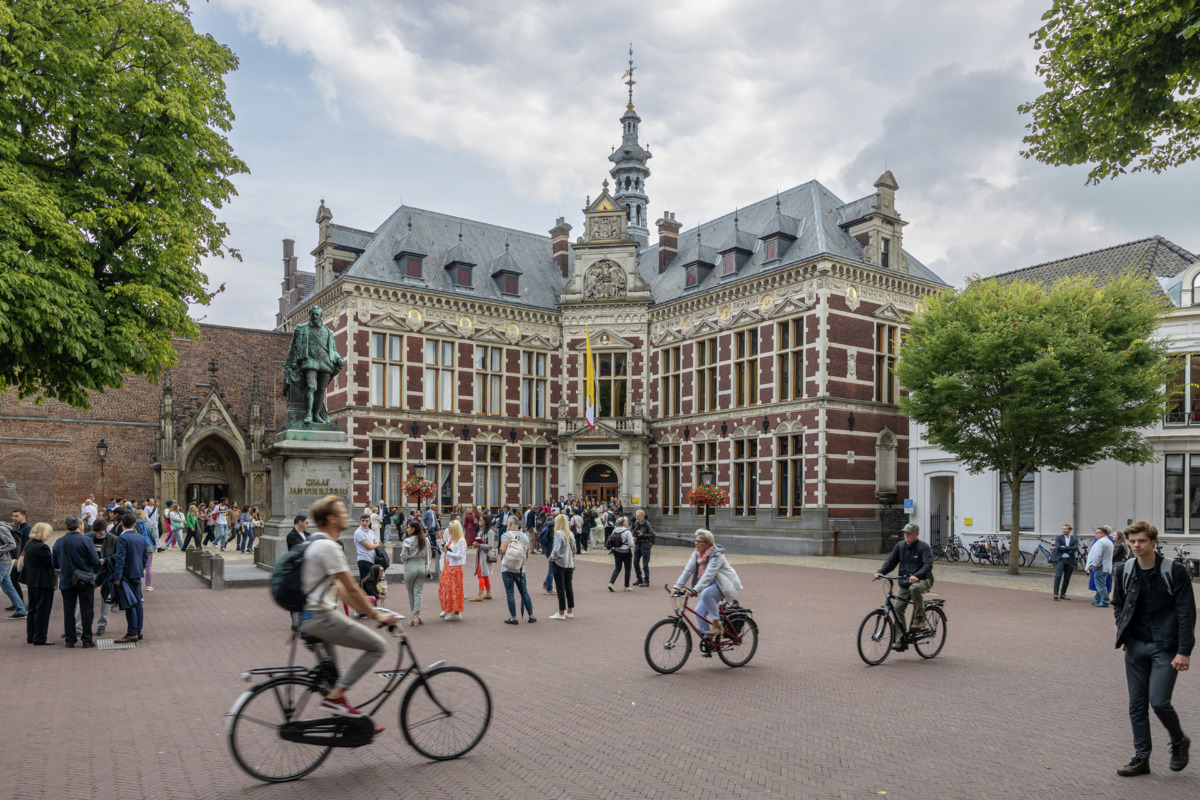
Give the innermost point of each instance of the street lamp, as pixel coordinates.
(707, 476)
(420, 470)
(102, 452)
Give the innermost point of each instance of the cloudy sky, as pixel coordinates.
(506, 112)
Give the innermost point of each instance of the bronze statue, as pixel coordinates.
(312, 361)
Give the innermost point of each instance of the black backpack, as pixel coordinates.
(287, 589)
(614, 542)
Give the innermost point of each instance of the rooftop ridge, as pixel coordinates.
(1145, 242)
(348, 229)
(472, 222)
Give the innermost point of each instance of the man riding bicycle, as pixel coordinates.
(915, 559)
(325, 574)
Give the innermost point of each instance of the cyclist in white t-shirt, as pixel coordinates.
(326, 571)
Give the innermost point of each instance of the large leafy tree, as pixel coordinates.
(112, 165)
(1121, 79)
(1017, 377)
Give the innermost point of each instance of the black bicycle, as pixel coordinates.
(278, 733)
(876, 633)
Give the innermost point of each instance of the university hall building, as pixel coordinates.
(760, 345)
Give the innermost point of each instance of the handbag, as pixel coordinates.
(381, 558)
(84, 577)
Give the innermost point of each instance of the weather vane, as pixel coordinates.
(629, 75)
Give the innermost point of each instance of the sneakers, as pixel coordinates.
(610, 588)
(570, 615)
(627, 589)
(340, 707)
(1179, 754)
(1140, 765)
(558, 616)
(18, 615)
(149, 588)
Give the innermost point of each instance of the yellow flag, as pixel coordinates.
(589, 379)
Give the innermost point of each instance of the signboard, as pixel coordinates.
(636, 500)
(908, 506)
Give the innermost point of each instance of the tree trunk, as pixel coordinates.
(1014, 533)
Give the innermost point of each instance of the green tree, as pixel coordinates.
(112, 165)
(1121, 79)
(1017, 377)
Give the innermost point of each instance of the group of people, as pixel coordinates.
(112, 558)
(1153, 604)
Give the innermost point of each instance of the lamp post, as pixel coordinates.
(420, 471)
(707, 476)
(102, 453)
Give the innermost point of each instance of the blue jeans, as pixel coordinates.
(1101, 579)
(549, 582)
(707, 606)
(516, 579)
(221, 535)
(641, 563)
(11, 591)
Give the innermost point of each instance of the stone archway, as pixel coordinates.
(600, 482)
(212, 471)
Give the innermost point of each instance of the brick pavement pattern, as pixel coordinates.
(1026, 700)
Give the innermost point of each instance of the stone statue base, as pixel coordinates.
(306, 465)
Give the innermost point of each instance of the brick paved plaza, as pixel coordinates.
(1027, 700)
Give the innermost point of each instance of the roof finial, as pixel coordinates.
(506, 245)
(777, 201)
(629, 77)
(735, 218)
(410, 224)
(460, 231)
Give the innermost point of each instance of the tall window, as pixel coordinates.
(488, 467)
(728, 264)
(671, 359)
(1182, 508)
(612, 383)
(386, 368)
(790, 360)
(1026, 504)
(1183, 393)
(387, 472)
(885, 253)
(706, 375)
(745, 368)
(439, 468)
(533, 385)
(789, 475)
(693, 277)
(668, 456)
(489, 380)
(439, 375)
(745, 471)
(534, 472)
(886, 337)
(770, 250)
(705, 457)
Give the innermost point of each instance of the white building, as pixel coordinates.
(1166, 492)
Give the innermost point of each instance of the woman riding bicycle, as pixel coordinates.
(714, 579)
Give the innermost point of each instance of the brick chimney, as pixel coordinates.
(559, 244)
(668, 240)
(289, 257)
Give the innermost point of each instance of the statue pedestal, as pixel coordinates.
(306, 465)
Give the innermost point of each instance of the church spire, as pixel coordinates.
(629, 171)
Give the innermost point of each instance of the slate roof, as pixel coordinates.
(1156, 256)
(305, 281)
(350, 238)
(437, 235)
(815, 209)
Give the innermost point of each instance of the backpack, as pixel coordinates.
(514, 556)
(287, 589)
(1164, 569)
(615, 542)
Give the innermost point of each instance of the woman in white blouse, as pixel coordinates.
(450, 587)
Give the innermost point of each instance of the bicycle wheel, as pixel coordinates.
(938, 554)
(1004, 558)
(875, 637)
(963, 555)
(930, 646)
(668, 645)
(253, 729)
(738, 654)
(445, 713)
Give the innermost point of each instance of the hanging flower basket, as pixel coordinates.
(420, 488)
(708, 497)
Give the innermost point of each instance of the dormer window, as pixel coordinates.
(462, 275)
(728, 264)
(510, 284)
(412, 267)
(771, 250)
(693, 277)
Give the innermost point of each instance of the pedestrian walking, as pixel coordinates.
(643, 538)
(38, 573)
(450, 587)
(414, 555)
(620, 545)
(151, 546)
(1155, 610)
(9, 551)
(563, 559)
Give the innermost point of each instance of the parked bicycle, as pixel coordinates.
(989, 549)
(876, 633)
(277, 733)
(1044, 549)
(1184, 556)
(950, 550)
(669, 643)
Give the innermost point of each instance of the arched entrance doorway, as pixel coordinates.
(213, 472)
(600, 483)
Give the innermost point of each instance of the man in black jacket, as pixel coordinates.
(299, 531)
(106, 545)
(915, 560)
(643, 541)
(1155, 610)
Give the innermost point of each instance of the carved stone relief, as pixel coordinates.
(604, 280)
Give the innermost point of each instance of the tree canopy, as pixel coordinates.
(1016, 377)
(1121, 79)
(112, 165)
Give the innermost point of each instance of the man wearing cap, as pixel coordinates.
(915, 560)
